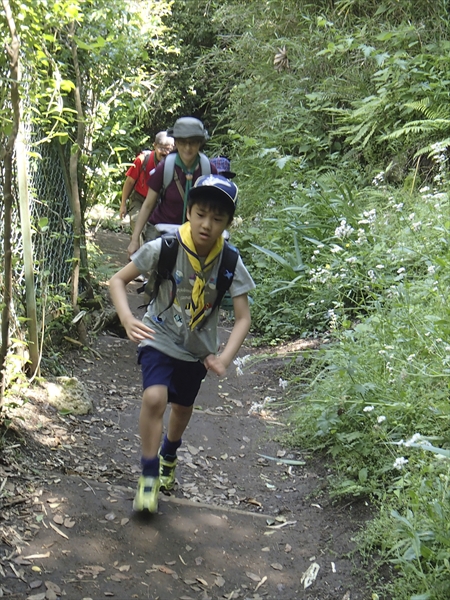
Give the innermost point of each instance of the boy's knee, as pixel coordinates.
(182, 411)
(155, 398)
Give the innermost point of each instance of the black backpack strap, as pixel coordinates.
(227, 267)
(225, 276)
(147, 154)
(164, 269)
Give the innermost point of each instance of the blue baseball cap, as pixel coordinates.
(216, 186)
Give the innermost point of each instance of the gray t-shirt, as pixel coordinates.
(173, 335)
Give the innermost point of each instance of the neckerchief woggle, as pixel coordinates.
(189, 175)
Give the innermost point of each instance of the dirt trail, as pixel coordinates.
(237, 526)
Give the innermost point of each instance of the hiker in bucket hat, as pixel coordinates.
(166, 201)
(188, 127)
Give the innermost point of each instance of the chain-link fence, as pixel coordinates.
(52, 230)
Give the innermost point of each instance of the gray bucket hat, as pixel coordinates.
(187, 127)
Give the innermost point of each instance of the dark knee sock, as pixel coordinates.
(169, 449)
(150, 466)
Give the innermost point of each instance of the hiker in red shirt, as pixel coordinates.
(136, 184)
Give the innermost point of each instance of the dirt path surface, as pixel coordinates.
(238, 525)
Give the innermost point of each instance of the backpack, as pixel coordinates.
(169, 169)
(166, 265)
(147, 154)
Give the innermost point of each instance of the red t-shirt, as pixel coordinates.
(140, 176)
(170, 210)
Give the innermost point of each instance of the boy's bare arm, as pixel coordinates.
(146, 210)
(242, 320)
(136, 330)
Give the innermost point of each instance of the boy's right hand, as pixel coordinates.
(137, 331)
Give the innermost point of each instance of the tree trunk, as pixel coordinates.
(16, 139)
(7, 273)
(25, 224)
(75, 195)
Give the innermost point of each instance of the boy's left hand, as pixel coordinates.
(214, 363)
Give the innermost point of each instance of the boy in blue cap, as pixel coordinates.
(178, 341)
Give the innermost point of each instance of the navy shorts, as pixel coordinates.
(182, 378)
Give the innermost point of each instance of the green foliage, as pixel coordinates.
(384, 380)
(334, 147)
(114, 91)
(181, 79)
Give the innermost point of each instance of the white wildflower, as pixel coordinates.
(371, 214)
(400, 463)
(378, 179)
(431, 269)
(344, 230)
(368, 408)
(362, 238)
(255, 408)
(415, 438)
(319, 275)
(283, 383)
(381, 418)
(401, 270)
(241, 360)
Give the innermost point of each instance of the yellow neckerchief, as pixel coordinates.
(198, 291)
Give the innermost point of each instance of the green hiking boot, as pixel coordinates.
(167, 473)
(147, 494)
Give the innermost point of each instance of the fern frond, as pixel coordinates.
(430, 112)
(419, 127)
(433, 149)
